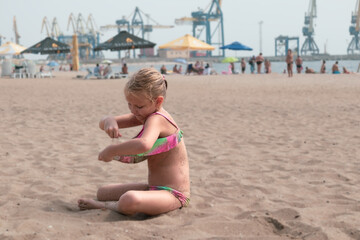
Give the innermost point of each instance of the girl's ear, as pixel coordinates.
(159, 100)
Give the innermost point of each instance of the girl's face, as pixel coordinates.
(141, 106)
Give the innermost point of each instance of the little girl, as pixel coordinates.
(160, 142)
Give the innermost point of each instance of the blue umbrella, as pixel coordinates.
(53, 64)
(236, 46)
(180, 60)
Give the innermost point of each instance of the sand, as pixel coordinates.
(270, 158)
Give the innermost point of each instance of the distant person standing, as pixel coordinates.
(252, 64)
(267, 65)
(259, 60)
(289, 62)
(335, 68)
(243, 65)
(323, 67)
(299, 63)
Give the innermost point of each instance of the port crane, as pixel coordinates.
(45, 24)
(87, 34)
(202, 19)
(354, 45)
(17, 35)
(136, 25)
(309, 45)
(53, 31)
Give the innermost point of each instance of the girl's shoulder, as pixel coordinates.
(165, 115)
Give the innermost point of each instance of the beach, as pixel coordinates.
(271, 157)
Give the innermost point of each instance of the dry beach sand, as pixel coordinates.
(270, 158)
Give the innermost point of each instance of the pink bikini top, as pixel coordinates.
(161, 145)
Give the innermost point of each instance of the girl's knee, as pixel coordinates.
(129, 202)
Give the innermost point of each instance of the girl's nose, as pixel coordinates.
(133, 110)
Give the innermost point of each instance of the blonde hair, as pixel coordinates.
(148, 81)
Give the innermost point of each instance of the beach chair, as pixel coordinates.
(18, 72)
(31, 70)
(120, 75)
(44, 74)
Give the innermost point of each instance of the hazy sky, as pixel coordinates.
(241, 20)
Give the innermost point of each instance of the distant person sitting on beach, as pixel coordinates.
(198, 67)
(163, 69)
(243, 65)
(124, 69)
(160, 142)
(107, 71)
(259, 60)
(289, 62)
(323, 67)
(190, 69)
(346, 71)
(97, 71)
(175, 69)
(299, 63)
(180, 69)
(267, 65)
(309, 70)
(207, 70)
(335, 68)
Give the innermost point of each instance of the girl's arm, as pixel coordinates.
(111, 124)
(152, 129)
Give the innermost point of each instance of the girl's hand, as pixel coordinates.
(111, 128)
(105, 155)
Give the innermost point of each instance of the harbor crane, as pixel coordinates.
(309, 45)
(92, 26)
(202, 19)
(55, 29)
(136, 24)
(17, 35)
(87, 34)
(354, 46)
(45, 24)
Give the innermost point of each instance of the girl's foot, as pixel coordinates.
(86, 204)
